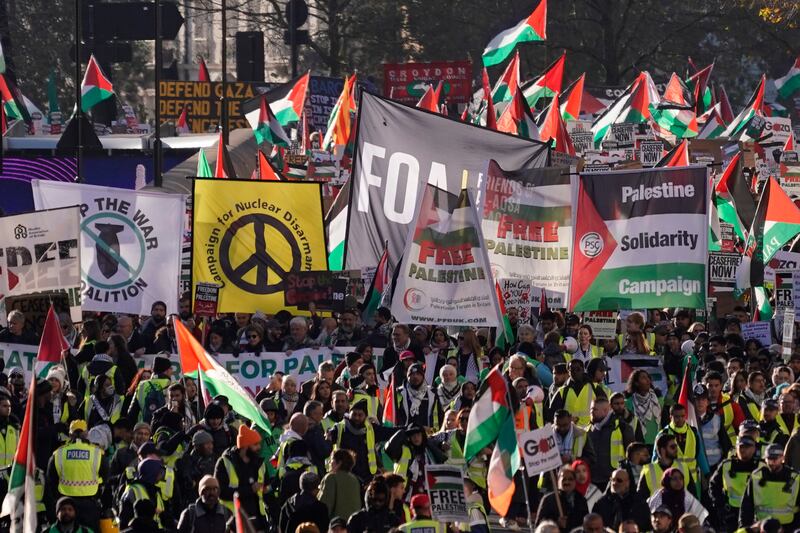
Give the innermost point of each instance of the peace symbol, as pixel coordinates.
(260, 260)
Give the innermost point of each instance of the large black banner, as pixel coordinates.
(401, 148)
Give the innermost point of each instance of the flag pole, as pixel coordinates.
(524, 472)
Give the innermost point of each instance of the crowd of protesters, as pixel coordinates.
(119, 443)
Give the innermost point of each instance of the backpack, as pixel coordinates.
(153, 399)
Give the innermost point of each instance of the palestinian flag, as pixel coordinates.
(240, 518)
(698, 85)
(265, 170)
(553, 129)
(11, 108)
(203, 168)
(632, 106)
(223, 168)
(517, 119)
(508, 83)
(491, 114)
(340, 122)
(789, 84)
(533, 28)
(376, 289)
(182, 125)
(336, 228)
(776, 222)
(675, 114)
(95, 86)
(287, 101)
(763, 309)
(20, 501)
(755, 107)
(677, 157)
(196, 362)
(725, 109)
(266, 127)
(735, 203)
(51, 346)
(572, 98)
(714, 229)
(430, 99)
(713, 125)
(444, 480)
(202, 71)
(491, 420)
(389, 417)
(546, 85)
(505, 337)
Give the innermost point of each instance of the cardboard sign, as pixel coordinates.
(650, 152)
(205, 299)
(325, 289)
(582, 141)
(788, 333)
(784, 292)
(517, 293)
(722, 268)
(623, 135)
(445, 486)
(603, 324)
(540, 451)
(757, 330)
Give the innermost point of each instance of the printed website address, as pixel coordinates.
(440, 320)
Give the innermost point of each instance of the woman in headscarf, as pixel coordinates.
(104, 406)
(674, 496)
(289, 401)
(583, 483)
(644, 402)
(449, 387)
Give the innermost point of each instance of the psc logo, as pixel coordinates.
(591, 244)
(415, 299)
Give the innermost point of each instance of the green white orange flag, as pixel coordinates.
(51, 346)
(491, 420)
(95, 86)
(572, 98)
(533, 28)
(266, 127)
(546, 85)
(755, 106)
(196, 362)
(340, 121)
(203, 168)
(20, 501)
(789, 84)
(734, 202)
(776, 222)
(517, 119)
(508, 83)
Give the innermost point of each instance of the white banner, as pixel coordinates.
(39, 253)
(130, 244)
(540, 451)
(445, 277)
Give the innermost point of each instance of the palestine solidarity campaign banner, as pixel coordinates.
(445, 277)
(249, 235)
(130, 243)
(402, 148)
(641, 240)
(527, 224)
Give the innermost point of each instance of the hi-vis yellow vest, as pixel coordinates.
(140, 493)
(688, 455)
(772, 501)
(233, 481)
(78, 468)
(652, 473)
(580, 404)
(422, 526)
(8, 445)
(476, 469)
(371, 456)
(733, 483)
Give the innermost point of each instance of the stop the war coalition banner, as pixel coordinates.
(39, 253)
(248, 236)
(130, 243)
(444, 275)
(641, 240)
(527, 224)
(399, 150)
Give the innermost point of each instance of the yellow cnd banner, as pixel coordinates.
(248, 235)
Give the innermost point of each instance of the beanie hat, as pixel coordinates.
(64, 500)
(201, 437)
(149, 469)
(161, 365)
(247, 437)
(141, 425)
(204, 481)
(58, 373)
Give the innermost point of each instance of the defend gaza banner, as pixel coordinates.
(641, 240)
(445, 276)
(527, 225)
(130, 244)
(400, 149)
(249, 235)
(39, 253)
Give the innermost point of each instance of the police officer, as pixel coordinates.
(773, 491)
(149, 473)
(77, 470)
(728, 483)
(422, 520)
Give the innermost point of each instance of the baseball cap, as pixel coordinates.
(774, 451)
(420, 500)
(663, 510)
(745, 441)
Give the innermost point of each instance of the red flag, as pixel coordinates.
(491, 114)
(202, 72)
(389, 413)
(223, 167)
(430, 100)
(265, 170)
(52, 344)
